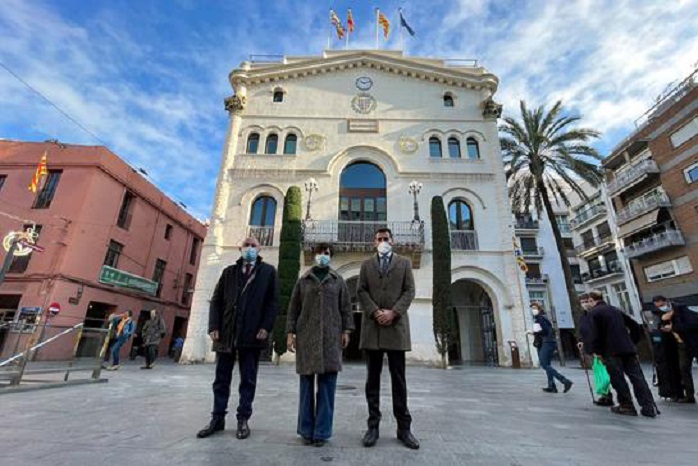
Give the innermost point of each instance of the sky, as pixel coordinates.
(147, 78)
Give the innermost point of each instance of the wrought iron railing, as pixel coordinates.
(541, 280)
(642, 206)
(526, 225)
(538, 252)
(265, 235)
(464, 240)
(612, 268)
(632, 174)
(359, 236)
(656, 242)
(587, 215)
(595, 243)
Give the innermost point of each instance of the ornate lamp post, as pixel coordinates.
(310, 187)
(415, 188)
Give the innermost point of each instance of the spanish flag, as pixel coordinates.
(337, 23)
(383, 21)
(41, 171)
(350, 21)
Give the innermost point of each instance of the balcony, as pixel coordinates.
(537, 281)
(666, 239)
(265, 235)
(565, 228)
(533, 253)
(587, 216)
(642, 206)
(612, 269)
(589, 247)
(523, 226)
(464, 240)
(631, 176)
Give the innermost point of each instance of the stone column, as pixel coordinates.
(197, 346)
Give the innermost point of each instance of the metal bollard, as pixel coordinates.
(515, 357)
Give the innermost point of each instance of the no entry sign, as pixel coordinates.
(54, 309)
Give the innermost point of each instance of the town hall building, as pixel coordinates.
(371, 137)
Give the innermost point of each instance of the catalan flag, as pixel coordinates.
(41, 171)
(337, 23)
(519, 257)
(383, 21)
(350, 21)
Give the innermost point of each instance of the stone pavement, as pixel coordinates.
(469, 415)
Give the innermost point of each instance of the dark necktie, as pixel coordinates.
(248, 270)
(384, 264)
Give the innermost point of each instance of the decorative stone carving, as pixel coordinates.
(408, 145)
(313, 142)
(235, 103)
(363, 103)
(491, 109)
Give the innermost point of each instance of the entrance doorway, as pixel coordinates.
(179, 329)
(9, 303)
(96, 317)
(476, 329)
(352, 352)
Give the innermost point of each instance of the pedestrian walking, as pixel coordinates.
(385, 292)
(682, 324)
(177, 348)
(586, 342)
(318, 325)
(124, 331)
(243, 308)
(611, 341)
(544, 342)
(153, 332)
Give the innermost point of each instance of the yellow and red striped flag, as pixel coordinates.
(519, 256)
(350, 21)
(383, 21)
(41, 171)
(334, 19)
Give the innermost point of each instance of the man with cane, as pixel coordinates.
(584, 347)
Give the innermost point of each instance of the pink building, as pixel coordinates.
(99, 220)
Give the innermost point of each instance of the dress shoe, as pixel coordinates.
(624, 410)
(407, 439)
(319, 443)
(648, 412)
(568, 385)
(687, 400)
(243, 429)
(371, 437)
(604, 401)
(550, 389)
(217, 424)
(308, 441)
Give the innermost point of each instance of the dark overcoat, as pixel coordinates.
(240, 307)
(318, 314)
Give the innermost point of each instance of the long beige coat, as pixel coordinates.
(393, 291)
(318, 313)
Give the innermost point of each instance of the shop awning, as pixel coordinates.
(644, 221)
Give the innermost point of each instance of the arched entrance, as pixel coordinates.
(362, 202)
(475, 324)
(352, 352)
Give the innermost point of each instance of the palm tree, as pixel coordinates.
(546, 156)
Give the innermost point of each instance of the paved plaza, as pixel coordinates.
(468, 415)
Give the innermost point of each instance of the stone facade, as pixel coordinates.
(382, 108)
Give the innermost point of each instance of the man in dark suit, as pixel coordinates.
(611, 340)
(243, 307)
(681, 323)
(385, 292)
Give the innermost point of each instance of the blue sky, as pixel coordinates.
(148, 77)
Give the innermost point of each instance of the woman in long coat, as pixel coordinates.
(153, 332)
(318, 325)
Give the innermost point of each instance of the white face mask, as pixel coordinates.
(535, 311)
(587, 306)
(322, 260)
(664, 308)
(384, 248)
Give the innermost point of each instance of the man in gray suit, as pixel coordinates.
(385, 292)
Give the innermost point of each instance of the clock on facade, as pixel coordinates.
(364, 83)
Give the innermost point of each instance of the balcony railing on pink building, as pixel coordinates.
(642, 207)
(624, 180)
(654, 243)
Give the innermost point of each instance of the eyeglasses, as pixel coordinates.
(383, 239)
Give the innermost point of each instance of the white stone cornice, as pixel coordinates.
(430, 70)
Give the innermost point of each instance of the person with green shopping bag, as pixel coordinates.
(586, 338)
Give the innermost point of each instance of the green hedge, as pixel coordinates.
(441, 299)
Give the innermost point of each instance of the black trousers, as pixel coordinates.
(151, 354)
(248, 359)
(686, 366)
(620, 366)
(396, 364)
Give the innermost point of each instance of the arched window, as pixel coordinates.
(278, 96)
(262, 219)
(272, 143)
(362, 198)
(454, 148)
(460, 216)
(253, 143)
(473, 149)
(448, 100)
(290, 144)
(434, 147)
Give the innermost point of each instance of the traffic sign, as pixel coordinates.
(54, 309)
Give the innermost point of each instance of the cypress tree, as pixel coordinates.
(289, 262)
(441, 299)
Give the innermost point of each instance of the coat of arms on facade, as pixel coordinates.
(363, 103)
(408, 145)
(235, 103)
(491, 109)
(313, 142)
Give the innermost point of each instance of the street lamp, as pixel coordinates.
(310, 186)
(415, 188)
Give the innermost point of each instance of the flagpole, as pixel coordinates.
(377, 13)
(329, 36)
(346, 45)
(401, 30)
